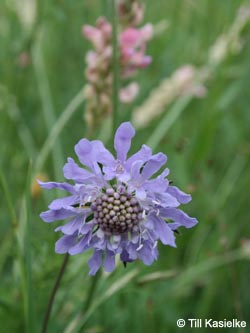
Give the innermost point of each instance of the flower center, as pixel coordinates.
(116, 212)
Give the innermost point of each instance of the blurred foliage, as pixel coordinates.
(41, 70)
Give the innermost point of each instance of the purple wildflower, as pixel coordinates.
(115, 207)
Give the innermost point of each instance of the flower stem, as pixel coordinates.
(53, 293)
(91, 293)
(115, 66)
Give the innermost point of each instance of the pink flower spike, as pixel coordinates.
(129, 93)
(105, 27)
(147, 32)
(138, 10)
(139, 60)
(130, 38)
(146, 60)
(93, 35)
(91, 59)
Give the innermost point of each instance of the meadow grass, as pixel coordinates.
(207, 141)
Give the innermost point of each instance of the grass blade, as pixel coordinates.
(57, 129)
(168, 120)
(23, 234)
(46, 100)
(78, 323)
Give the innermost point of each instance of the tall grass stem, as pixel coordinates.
(46, 100)
(115, 66)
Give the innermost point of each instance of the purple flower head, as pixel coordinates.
(116, 206)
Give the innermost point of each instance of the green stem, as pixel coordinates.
(90, 296)
(115, 65)
(53, 293)
(91, 293)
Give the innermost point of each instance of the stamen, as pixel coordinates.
(139, 247)
(148, 233)
(140, 238)
(82, 224)
(156, 202)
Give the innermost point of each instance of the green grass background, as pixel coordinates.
(207, 276)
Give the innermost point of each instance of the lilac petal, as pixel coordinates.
(134, 237)
(141, 194)
(86, 227)
(177, 215)
(65, 243)
(133, 254)
(106, 158)
(109, 262)
(179, 195)
(166, 200)
(57, 214)
(84, 152)
(143, 154)
(109, 172)
(117, 170)
(158, 184)
(153, 165)
(135, 170)
(99, 240)
(124, 177)
(122, 141)
(164, 173)
(114, 245)
(95, 262)
(87, 152)
(72, 226)
(81, 246)
(147, 254)
(62, 186)
(72, 171)
(66, 201)
(124, 256)
(163, 231)
(149, 224)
